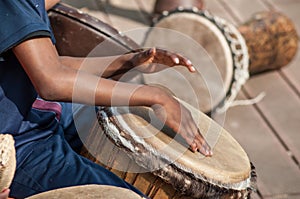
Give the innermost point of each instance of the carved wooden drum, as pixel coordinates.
(272, 40)
(78, 34)
(88, 192)
(133, 144)
(217, 50)
(7, 160)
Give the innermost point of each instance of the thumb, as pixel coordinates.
(145, 57)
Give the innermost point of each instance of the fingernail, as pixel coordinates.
(148, 52)
(192, 68)
(176, 60)
(189, 62)
(210, 153)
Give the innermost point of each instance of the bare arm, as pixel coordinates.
(146, 61)
(50, 3)
(54, 81)
(4, 194)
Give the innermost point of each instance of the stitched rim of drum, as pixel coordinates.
(237, 46)
(139, 151)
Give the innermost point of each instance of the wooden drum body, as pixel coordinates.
(158, 162)
(272, 41)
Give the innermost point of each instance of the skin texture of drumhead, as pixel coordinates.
(7, 160)
(229, 165)
(88, 192)
(214, 67)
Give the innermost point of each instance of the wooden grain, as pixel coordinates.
(217, 9)
(280, 107)
(279, 114)
(291, 9)
(277, 173)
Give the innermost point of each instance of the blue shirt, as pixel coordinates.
(27, 123)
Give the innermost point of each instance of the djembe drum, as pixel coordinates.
(271, 39)
(78, 34)
(7, 160)
(268, 41)
(88, 192)
(222, 67)
(135, 146)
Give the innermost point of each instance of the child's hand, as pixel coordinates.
(4, 194)
(155, 59)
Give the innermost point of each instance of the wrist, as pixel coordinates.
(159, 96)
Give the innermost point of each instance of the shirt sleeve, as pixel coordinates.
(20, 18)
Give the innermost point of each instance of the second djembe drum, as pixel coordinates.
(271, 39)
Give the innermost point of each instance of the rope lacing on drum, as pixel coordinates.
(240, 57)
(239, 53)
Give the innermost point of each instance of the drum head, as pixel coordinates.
(199, 39)
(88, 192)
(7, 160)
(155, 147)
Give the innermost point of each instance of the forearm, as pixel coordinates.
(82, 87)
(55, 81)
(106, 67)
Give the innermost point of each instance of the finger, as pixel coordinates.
(144, 57)
(186, 62)
(193, 146)
(175, 59)
(198, 140)
(202, 145)
(190, 139)
(167, 58)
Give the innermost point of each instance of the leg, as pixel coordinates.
(76, 121)
(53, 164)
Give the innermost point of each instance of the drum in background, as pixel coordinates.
(169, 5)
(221, 71)
(88, 192)
(7, 160)
(78, 34)
(272, 41)
(154, 159)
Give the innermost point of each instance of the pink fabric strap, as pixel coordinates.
(47, 106)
